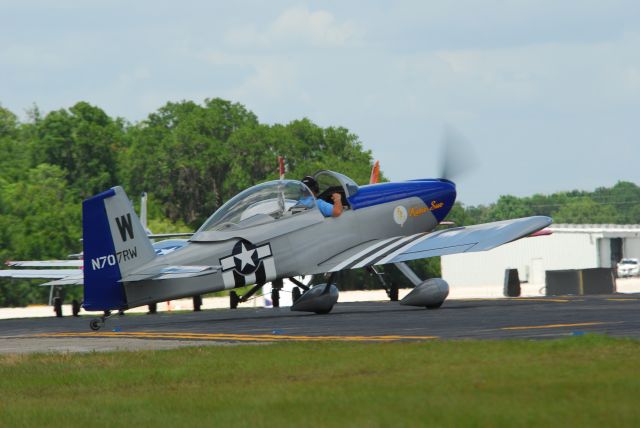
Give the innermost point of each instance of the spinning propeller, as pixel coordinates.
(457, 155)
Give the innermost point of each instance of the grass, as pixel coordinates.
(580, 381)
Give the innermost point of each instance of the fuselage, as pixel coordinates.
(262, 248)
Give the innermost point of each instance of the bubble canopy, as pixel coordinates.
(260, 204)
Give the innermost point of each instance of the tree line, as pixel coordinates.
(190, 158)
(619, 204)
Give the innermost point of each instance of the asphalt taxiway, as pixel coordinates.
(540, 317)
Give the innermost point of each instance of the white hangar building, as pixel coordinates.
(570, 246)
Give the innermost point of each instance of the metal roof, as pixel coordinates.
(608, 229)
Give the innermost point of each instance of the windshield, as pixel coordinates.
(260, 204)
(330, 181)
(629, 262)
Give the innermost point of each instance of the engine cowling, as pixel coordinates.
(430, 294)
(319, 299)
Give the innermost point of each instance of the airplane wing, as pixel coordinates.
(39, 273)
(479, 237)
(59, 276)
(45, 263)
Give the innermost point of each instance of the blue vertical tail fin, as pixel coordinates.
(115, 244)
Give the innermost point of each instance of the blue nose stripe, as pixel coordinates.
(438, 195)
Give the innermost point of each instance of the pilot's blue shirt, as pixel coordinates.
(325, 207)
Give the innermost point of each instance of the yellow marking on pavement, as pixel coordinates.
(624, 300)
(236, 337)
(581, 324)
(524, 299)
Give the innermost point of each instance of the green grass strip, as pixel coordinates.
(580, 381)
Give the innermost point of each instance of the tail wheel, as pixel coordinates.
(95, 324)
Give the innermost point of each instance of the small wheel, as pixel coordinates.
(233, 300)
(393, 293)
(295, 294)
(95, 324)
(197, 303)
(75, 308)
(275, 297)
(57, 306)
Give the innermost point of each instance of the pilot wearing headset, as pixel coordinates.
(326, 208)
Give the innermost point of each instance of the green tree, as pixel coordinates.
(84, 141)
(584, 210)
(181, 156)
(42, 215)
(193, 158)
(509, 207)
(15, 153)
(39, 220)
(624, 198)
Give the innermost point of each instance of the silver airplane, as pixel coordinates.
(275, 230)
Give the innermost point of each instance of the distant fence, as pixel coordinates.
(580, 282)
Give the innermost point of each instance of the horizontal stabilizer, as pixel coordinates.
(170, 235)
(170, 272)
(77, 279)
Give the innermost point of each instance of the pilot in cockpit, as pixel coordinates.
(326, 208)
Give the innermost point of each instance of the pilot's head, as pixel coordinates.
(311, 183)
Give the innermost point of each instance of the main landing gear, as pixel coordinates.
(234, 299)
(56, 299)
(296, 293)
(390, 288)
(430, 293)
(319, 299)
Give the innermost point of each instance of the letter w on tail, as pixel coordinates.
(125, 226)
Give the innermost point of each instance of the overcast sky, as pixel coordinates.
(547, 93)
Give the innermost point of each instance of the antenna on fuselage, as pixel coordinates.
(143, 210)
(281, 167)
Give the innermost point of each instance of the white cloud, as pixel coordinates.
(29, 56)
(272, 78)
(297, 26)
